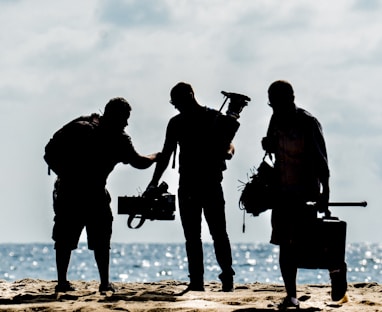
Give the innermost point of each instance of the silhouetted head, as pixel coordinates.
(281, 96)
(182, 97)
(117, 112)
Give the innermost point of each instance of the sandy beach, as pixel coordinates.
(169, 295)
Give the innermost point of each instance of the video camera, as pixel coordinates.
(154, 204)
(225, 126)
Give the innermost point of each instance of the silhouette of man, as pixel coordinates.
(202, 155)
(296, 139)
(81, 200)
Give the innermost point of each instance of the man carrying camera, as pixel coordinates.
(204, 137)
(82, 154)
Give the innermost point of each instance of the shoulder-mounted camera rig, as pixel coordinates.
(236, 104)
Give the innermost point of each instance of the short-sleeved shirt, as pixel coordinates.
(300, 154)
(202, 146)
(300, 164)
(94, 152)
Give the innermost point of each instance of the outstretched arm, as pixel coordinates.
(164, 158)
(143, 161)
(132, 157)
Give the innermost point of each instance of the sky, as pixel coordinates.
(63, 59)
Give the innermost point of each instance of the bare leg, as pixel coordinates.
(102, 257)
(62, 264)
(288, 269)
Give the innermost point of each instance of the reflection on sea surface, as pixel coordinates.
(256, 262)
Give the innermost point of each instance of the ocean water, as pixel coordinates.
(257, 262)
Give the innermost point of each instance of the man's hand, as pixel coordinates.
(150, 190)
(154, 157)
(230, 152)
(323, 201)
(268, 144)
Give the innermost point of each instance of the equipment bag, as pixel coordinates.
(323, 245)
(257, 195)
(68, 143)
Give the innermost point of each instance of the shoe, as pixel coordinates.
(64, 287)
(106, 288)
(289, 302)
(339, 283)
(344, 299)
(227, 282)
(195, 286)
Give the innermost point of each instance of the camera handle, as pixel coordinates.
(225, 100)
(328, 215)
(131, 219)
(237, 103)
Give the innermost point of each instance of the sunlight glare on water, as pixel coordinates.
(257, 262)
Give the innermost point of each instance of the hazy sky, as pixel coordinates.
(62, 59)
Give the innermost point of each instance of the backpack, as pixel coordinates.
(65, 147)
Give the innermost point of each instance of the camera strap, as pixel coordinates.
(131, 219)
(174, 157)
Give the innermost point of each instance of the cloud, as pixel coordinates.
(63, 59)
(135, 13)
(367, 6)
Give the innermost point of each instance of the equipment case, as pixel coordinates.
(323, 246)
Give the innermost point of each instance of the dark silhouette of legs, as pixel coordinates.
(191, 216)
(62, 264)
(288, 269)
(102, 257)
